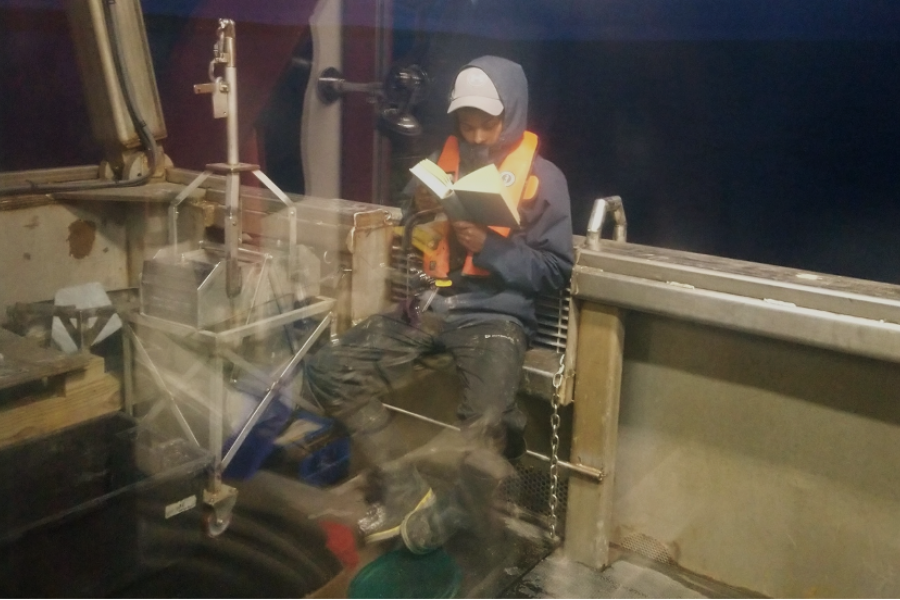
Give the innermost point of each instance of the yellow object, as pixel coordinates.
(424, 237)
(443, 282)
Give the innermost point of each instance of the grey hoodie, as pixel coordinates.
(535, 259)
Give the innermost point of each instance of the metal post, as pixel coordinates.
(226, 55)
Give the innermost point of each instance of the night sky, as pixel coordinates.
(763, 130)
(759, 130)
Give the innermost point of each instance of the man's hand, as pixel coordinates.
(424, 199)
(470, 235)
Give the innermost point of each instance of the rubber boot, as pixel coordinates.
(468, 506)
(394, 487)
(514, 447)
(394, 493)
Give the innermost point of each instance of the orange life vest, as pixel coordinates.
(515, 172)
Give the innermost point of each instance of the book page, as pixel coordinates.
(433, 177)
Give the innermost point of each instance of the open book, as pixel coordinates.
(479, 197)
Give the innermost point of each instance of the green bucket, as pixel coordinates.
(402, 574)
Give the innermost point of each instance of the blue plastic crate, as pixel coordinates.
(313, 449)
(259, 443)
(328, 465)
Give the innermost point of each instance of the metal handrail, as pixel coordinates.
(602, 206)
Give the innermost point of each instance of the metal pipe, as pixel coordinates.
(169, 401)
(589, 472)
(273, 390)
(373, 89)
(226, 54)
(231, 81)
(216, 393)
(233, 282)
(603, 206)
(292, 219)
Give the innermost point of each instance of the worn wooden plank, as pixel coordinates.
(92, 372)
(598, 379)
(86, 393)
(22, 360)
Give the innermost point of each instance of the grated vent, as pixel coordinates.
(529, 491)
(648, 547)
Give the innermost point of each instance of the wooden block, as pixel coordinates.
(86, 393)
(94, 371)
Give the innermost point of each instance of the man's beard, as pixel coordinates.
(473, 156)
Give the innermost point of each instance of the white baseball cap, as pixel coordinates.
(475, 89)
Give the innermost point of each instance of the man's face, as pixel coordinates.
(478, 127)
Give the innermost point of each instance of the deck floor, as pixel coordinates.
(515, 560)
(629, 576)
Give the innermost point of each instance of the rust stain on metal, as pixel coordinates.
(208, 209)
(81, 238)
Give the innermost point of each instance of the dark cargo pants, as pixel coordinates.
(350, 378)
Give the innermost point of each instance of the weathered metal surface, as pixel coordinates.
(760, 463)
(39, 177)
(589, 524)
(849, 315)
(42, 176)
(761, 460)
(45, 248)
(537, 373)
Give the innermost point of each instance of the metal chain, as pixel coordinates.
(554, 446)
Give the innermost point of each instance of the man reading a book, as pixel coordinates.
(483, 314)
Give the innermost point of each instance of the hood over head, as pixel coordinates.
(509, 81)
